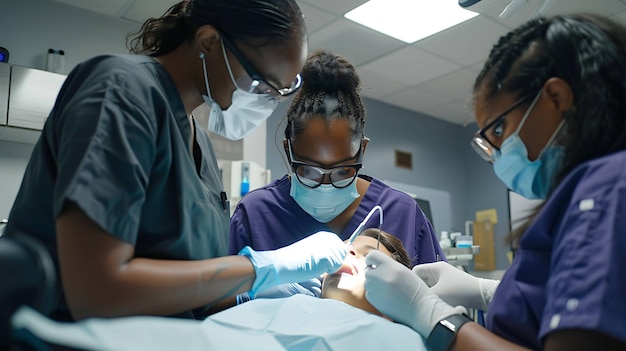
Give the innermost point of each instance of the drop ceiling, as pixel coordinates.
(432, 76)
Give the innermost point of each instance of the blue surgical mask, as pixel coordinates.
(531, 179)
(325, 202)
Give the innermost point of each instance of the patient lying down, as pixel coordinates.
(295, 323)
(348, 284)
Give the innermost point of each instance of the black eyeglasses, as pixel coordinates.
(481, 143)
(313, 176)
(253, 82)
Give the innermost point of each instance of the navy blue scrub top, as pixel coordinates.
(118, 144)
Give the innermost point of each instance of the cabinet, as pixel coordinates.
(5, 74)
(31, 96)
(27, 96)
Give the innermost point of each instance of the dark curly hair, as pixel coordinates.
(252, 22)
(330, 89)
(589, 53)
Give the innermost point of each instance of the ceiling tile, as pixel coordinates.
(109, 7)
(454, 86)
(529, 10)
(338, 7)
(456, 112)
(416, 99)
(315, 18)
(604, 7)
(357, 43)
(376, 85)
(465, 44)
(141, 10)
(410, 66)
(621, 17)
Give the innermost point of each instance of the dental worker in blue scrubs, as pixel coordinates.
(551, 106)
(325, 190)
(123, 187)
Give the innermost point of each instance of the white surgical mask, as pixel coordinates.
(246, 112)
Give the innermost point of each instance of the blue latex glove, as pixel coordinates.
(322, 252)
(400, 294)
(311, 287)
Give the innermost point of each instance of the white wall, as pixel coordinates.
(13, 160)
(31, 27)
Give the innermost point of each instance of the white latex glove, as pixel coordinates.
(457, 287)
(398, 293)
(322, 252)
(311, 287)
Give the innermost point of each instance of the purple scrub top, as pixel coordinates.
(269, 218)
(570, 269)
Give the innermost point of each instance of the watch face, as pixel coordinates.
(444, 332)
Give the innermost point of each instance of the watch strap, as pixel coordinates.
(444, 332)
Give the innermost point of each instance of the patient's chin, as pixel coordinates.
(349, 289)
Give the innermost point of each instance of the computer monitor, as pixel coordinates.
(425, 206)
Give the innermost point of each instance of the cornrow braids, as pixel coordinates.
(331, 90)
(586, 51)
(506, 52)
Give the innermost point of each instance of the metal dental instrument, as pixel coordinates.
(358, 229)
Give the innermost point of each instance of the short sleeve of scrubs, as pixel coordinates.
(586, 288)
(107, 146)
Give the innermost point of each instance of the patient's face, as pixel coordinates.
(348, 284)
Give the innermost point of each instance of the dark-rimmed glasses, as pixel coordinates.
(481, 143)
(313, 176)
(253, 82)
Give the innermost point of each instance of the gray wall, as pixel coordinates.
(442, 158)
(31, 27)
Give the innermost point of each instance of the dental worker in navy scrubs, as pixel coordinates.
(551, 106)
(123, 187)
(325, 145)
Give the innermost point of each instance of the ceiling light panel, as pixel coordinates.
(410, 20)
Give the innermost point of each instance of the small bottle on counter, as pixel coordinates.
(55, 61)
(444, 241)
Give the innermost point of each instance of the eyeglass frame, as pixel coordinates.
(480, 134)
(280, 94)
(327, 171)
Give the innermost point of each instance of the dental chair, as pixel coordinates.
(27, 277)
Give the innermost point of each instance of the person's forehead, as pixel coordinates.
(278, 64)
(486, 109)
(367, 243)
(324, 142)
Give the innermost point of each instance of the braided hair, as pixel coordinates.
(255, 23)
(330, 89)
(589, 53)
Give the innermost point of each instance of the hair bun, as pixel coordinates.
(327, 72)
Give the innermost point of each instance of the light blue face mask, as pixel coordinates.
(531, 179)
(325, 202)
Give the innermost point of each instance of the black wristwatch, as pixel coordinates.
(445, 331)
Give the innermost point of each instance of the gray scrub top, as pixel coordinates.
(117, 143)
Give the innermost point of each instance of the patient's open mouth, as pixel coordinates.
(348, 269)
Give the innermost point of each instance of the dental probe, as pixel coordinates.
(358, 229)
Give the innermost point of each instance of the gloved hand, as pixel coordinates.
(311, 287)
(398, 293)
(457, 287)
(322, 252)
